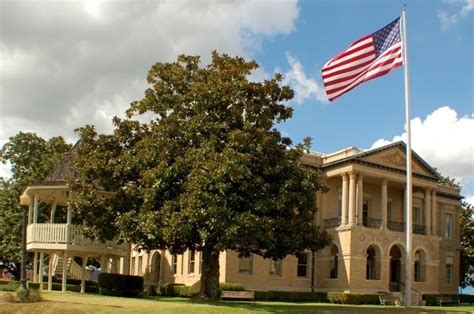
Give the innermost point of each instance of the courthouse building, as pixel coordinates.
(364, 212)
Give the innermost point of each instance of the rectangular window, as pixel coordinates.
(140, 265)
(302, 265)
(174, 263)
(365, 212)
(416, 215)
(191, 262)
(275, 268)
(132, 271)
(246, 265)
(448, 231)
(389, 211)
(449, 274)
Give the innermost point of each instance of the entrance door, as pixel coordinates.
(395, 268)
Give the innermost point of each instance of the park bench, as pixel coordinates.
(446, 300)
(238, 295)
(389, 299)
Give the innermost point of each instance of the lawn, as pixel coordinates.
(56, 302)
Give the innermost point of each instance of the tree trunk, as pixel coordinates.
(210, 274)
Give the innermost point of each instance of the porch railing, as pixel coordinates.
(374, 223)
(332, 222)
(58, 234)
(400, 227)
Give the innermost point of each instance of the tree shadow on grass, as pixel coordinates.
(282, 307)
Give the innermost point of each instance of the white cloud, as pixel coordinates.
(445, 141)
(470, 199)
(305, 87)
(461, 9)
(65, 64)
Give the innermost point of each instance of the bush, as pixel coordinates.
(290, 296)
(22, 296)
(352, 298)
(227, 286)
(466, 299)
(431, 298)
(120, 285)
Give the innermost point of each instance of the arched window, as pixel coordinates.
(333, 262)
(420, 262)
(372, 269)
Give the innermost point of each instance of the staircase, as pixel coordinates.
(74, 270)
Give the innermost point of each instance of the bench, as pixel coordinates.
(446, 300)
(238, 295)
(389, 299)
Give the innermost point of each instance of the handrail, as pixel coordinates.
(418, 293)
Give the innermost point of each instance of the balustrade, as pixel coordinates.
(332, 222)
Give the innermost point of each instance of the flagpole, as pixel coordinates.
(408, 220)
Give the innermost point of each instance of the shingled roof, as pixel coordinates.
(64, 171)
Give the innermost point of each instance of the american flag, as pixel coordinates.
(369, 57)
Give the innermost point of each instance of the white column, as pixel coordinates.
(35, 209)
(103, 264)
(65, 262)
(383, 205)
(434, 213)
(83, 274)
(50, 272)
(360, 198)
(427, 211)
(41, 266)
(344, 200)
(352, 198)
(35, 267)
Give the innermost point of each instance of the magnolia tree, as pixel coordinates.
(208, 173)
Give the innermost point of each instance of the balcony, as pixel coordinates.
(68, 237)
(332, 222)
(374, 223)
(400, 227)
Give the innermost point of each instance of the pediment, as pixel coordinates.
(395, 157)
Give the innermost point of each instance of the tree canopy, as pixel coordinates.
(31, 158)
(210, 172)
(466, 268)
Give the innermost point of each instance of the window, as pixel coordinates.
(333, 263)
(302, 265)
(174, 263)
(449, 274)
(132, 271)
(448, 231)
(246, 265)
(389, 211)
(416, 215)
(365, 212)
(420, 262)
(275, 268)
(140, 265)
(339, 204)
(191, 262)
(371, 272)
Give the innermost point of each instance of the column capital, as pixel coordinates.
(428, 190)
(384, 181)
(344, 176)
(352, 175)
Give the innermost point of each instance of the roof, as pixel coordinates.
(359, 158)
(64, 171)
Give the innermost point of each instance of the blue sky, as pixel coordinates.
(65, 64)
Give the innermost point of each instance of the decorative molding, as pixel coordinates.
(396, 159)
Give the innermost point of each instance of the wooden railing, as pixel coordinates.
(58, 234)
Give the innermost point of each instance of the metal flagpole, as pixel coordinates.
(408, 220)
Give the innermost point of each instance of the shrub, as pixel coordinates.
(352, 298)
(290, 296)
(22, 296)
(466, 299)
(120, 285)
(183, 291)
(227, 286)
(431, 299)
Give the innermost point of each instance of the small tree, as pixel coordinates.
(209, 173)
(466, 275)
(31, 158)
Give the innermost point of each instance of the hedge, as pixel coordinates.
(173, 290)
(291, 296)
(353, 298)
(120, 285)
(431, 298)
(466, 299)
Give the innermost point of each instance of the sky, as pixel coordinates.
(64, 64)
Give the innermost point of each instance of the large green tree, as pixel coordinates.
(208, 173)
(31, 159)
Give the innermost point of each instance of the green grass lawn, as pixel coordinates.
(71, 302)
